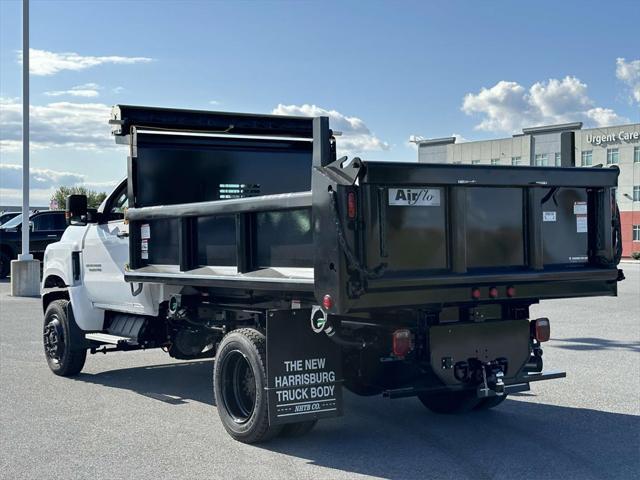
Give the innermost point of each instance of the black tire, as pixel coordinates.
(5, 265)
(298, 429)
(63, 349)
(239, 381)
(450, 402)
(490, 402)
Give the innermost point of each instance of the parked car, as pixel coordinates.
(46, 227)
(6, 216)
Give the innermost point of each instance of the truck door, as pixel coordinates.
(105, 255)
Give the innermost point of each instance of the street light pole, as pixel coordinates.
(25, 271)
(25, 132)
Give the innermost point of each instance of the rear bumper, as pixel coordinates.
(514, 385)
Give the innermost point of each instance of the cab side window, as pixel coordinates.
(118, 204)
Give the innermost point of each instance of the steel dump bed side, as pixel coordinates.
(258, 206)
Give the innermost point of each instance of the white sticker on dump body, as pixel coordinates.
(580, 208)
(581, 224)
(414, 197)
(548, 216)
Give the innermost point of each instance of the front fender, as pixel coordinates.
(57, 265)
(58, 256)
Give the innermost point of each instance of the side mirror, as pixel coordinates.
(76, 210)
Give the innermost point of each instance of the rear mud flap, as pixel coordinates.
(304, 369)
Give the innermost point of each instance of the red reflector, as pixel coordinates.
(493, 292)
(511, 291)
(327, 302)
(352, 209)
(402, 342)
(542, 329)
(475, 293)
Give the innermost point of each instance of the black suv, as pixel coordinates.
(46, 227)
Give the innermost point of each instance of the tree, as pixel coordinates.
(94, 199)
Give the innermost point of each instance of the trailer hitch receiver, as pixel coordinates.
(492, 380)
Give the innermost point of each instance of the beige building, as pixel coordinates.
(559, 145)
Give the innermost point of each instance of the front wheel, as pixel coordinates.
(239, 381)
(450, 402)
(64, 353)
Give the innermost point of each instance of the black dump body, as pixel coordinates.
(259, 206)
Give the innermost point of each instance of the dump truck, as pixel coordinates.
(244, 238)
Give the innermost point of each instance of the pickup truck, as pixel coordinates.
(243, 237)
(46, 227)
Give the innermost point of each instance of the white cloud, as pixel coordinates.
(43, 62)
(43, 183)
(356, 136)
(509, 107)
(81, 126)
(37, 198)
(629, 73)
(39, 178)
(86, 90)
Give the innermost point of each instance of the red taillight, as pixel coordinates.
(475, 293)
(541, 329)
(402, 342)
(327, 302)
(352, 206)
(511, 291)
(493, 292)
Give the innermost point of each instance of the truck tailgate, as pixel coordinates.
(433, 232)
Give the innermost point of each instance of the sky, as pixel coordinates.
(384, 72)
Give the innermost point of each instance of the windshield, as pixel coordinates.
(13, 223)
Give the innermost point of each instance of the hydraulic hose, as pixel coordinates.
(352, 260)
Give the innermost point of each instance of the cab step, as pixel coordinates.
(112, 339)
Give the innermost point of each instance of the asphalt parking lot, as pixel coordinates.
(143, 415)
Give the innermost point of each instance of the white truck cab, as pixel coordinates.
(89, 264)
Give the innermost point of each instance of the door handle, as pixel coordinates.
(122, 234)
(51, 236)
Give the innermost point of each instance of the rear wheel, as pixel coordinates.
(239, 381)
(64, 353)
(450, 402)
